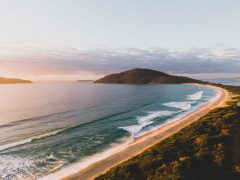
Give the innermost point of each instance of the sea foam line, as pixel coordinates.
(29, 140)
(147, 120)
(185, 105)
(76, 167)
(144, 121)
(182, 111)
(85, 162)
(195, 96)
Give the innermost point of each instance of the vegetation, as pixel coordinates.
(12, 81)
(143, 76)
(207, 149)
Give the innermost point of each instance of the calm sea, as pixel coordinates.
(45, 127)
(234, 82)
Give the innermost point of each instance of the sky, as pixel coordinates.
(57, 40)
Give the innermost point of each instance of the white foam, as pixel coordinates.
(35, 138)
(186, 105)
(46, 135)
(143, 121)
(134, 129)
(52, 157)
(7, 146)
(16, 168)
(76, 167)
(195, 96)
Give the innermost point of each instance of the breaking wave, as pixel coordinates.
(33, 139)
(43, 136)
(180, 105)
(144, 121)
(195, 96)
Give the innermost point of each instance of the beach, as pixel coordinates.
(142, 143)
(51, 135)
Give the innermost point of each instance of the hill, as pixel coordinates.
(145, 76)
(12, 81)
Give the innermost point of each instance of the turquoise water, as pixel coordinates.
(47, 127)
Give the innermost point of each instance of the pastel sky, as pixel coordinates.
(86, 39)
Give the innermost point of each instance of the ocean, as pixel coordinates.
(48, 127)
(233, 82)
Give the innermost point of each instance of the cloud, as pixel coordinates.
(69, 61)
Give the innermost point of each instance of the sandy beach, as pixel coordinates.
(148, 140)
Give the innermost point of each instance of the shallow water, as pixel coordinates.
(45, 127)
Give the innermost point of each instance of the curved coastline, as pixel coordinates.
(127, 150)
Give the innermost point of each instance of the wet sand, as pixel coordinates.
(148, 140)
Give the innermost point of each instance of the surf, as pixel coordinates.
(195, 96)
(29, 140)
(185, 105)
(144, 121)
(14, 167)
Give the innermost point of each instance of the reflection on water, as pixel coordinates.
(46, 126)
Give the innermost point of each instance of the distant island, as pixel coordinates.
(13, 81)
(145, 76)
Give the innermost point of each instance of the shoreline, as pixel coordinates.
(90, 171)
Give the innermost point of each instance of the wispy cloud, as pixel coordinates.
(76, 62)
